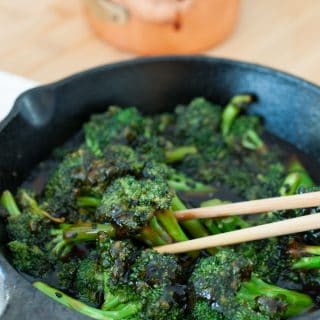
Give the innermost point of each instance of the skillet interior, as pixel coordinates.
(45, 117)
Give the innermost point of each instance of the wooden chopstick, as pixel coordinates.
(305, 200)
(268, 230)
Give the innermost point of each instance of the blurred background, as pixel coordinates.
(49, 39)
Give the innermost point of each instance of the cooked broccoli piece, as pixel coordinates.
(227, 280)
(255, 176)
(305, 257)
(135, 287)
(154, 269)
(177, 154)
(30, 258)
(117, 257)
(65, 184)
(245, 134)
(198, 121)
(66, 273)
(298, 177)
(67, 236)
(193, 226)
(117, 161)
(124, 313)
(130, 203)
(269, 257)
(221, 225)
(202, 310)
(88, 283)
(123, 127)
(293, 303)
(29, 225)
(232, 110)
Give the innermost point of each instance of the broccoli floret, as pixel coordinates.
(297, 178)
(232, 110)
(66, 273)
(88, 281)
(202, 310)
(29, 258)
(269, 257)
(130, 203)
(155, 278)
(65, 184)
(227, 280)
(198, 121)
(117, 161)
(29, 225)
(154, 269)
(117, 257)
(245, 134)
(123, 127)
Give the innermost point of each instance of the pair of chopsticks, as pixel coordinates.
(274, 229)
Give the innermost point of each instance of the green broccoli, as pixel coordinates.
(30, 258)
(130, 203)
(232, 110)
(88, 283)
(298, 177)
(227, 280)
(65, 183)
(29, 225)
(245, 134)
(124, 126)
(198, 121)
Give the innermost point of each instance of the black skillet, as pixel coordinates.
(44, 117)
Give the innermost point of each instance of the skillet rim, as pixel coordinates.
(11, 272)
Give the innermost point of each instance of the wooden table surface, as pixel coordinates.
(49, 39)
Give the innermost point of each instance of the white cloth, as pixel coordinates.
(11, 86)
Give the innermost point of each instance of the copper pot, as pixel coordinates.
(162, 26)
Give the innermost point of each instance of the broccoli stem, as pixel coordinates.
(155, 225)
(111, 302)
(252, 141)
(180, 182)
(231, 111)
(255, 287)
(297, 177)
(305, 180)
(290, 184)
(88, 232)
(179, 153)
(87, 201)
(128, 310)
(193, 226)
(9, 203)
(216, 226)
(171, 225)
(34, 207)
(69, 235)
(151, 237)
(307, 263)
(301, 255)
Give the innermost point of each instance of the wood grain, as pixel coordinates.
(305, 200)
(49, 39)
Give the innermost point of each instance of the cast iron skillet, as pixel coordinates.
(44, 117)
